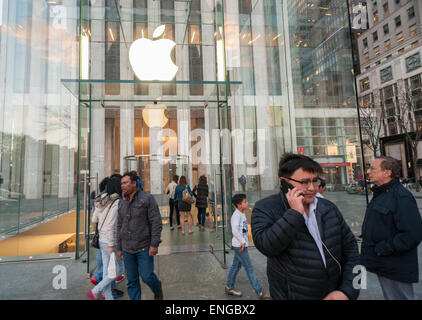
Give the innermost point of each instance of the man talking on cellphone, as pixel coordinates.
(310, 250)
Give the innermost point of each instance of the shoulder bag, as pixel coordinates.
(95, 242)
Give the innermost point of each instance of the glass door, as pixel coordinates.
(220, 181)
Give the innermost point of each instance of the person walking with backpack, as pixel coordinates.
(105, 214)
(201, 194)
(183, 194)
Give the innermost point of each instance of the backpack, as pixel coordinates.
(187, 197)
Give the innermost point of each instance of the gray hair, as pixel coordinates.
(389, 163)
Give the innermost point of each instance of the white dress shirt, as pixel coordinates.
(312, 226)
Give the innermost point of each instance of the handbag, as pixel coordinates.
(95, 242)
(187, 197)
(208, 222)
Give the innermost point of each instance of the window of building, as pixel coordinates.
(365, 43)
(397, 20)
(364, 84)
(385, 6)
(386, 29)
(386, 74)
(388, 46)
(415, 44)
(389, 57)
(375, 35)
(400, 40)
(397, 1)
(378, 63)
(377, 53)
(388, 92)
(392, 126)
(415, 82)
(413, 62)
(401, 51)
(411, 12)
(376, 15)
(365, 101)
(413, 32)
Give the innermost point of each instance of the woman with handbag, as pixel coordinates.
(105, 214)
(184, 196)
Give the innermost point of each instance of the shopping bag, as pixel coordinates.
(112, 267)
(209, 224)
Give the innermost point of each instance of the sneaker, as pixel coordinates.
(120, 279)
(93, 281)
(263, 296)
(171, 228)
(116, 294)
(91, 295)
(232, 292)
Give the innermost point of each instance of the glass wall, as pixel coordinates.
(288, 87)
(38, 123)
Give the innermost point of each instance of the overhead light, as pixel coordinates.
(111, 33)
(84, 57)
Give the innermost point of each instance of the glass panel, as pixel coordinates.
(38, 128)
(274, 81)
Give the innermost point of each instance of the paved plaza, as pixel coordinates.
(185, 275)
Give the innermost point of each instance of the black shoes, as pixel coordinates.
(159, 295)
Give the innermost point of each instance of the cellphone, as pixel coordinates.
(285, 186)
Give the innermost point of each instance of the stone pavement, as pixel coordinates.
(185, 275)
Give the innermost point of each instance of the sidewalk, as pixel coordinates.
(185, 276)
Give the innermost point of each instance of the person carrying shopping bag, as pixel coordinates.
(105, 214)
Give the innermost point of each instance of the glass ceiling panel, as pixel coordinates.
(94, 90)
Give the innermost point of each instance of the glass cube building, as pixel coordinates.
(218, 88)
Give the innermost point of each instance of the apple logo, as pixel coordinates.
(154, 115)
(151, 60)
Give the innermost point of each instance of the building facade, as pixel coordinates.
(244, 82)
(390, 79)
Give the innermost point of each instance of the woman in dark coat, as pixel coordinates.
(201, 194)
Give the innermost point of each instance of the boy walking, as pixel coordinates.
(239, 226)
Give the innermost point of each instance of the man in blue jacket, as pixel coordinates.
(391, 231)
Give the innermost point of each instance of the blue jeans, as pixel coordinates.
(105, 284)
(140, 264)
(201, 216)
(242, 259)
(99, 275)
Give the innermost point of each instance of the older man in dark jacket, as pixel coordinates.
(391, 231)
(310, 249)
(139, 229)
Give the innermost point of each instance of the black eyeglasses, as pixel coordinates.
(307, 182)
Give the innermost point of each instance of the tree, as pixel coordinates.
(371, 118)
(409, 120)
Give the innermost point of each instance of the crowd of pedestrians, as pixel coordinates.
(311, 251)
